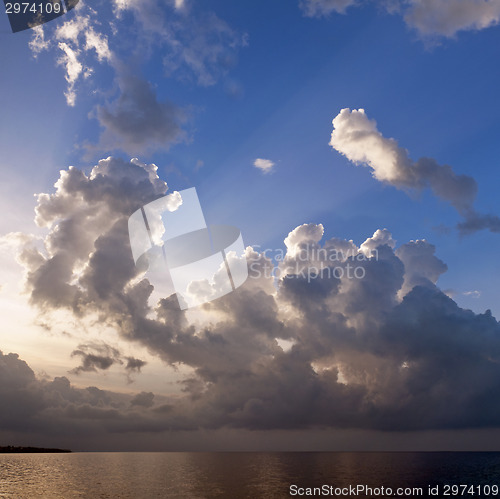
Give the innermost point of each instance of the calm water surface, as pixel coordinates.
(231, 475)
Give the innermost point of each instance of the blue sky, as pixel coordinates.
(248, 80)
(276, 100)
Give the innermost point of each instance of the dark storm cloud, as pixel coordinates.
(88, 220)
(56, 409)
(19, 392)
(385, 351)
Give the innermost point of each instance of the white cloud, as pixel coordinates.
(379, 238)
(75, 38)
(422, 267)
(38, 43)
(303, 236)
(357, 137)
(99, 43)
(191, 43)
(136, 121)
(264, 165)
(74, 68)
(72, 29)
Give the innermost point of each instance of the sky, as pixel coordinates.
(357, 129)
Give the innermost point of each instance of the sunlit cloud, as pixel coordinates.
(264, 165)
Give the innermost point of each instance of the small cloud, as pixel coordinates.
(95, 356)
(472, 294)
(285, 345)
(69, 59)
(264, 165)
(318, 8)
(134, 365)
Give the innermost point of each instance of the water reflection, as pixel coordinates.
(232, 475)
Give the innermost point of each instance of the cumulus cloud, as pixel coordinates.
(264, 165)
(381, 237)
(304, 236)
(374, 343)
(86, 255)
(357, 137)
(423, 268)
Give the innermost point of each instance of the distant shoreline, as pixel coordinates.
(9, 449)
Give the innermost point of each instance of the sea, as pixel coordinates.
(249, 475)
